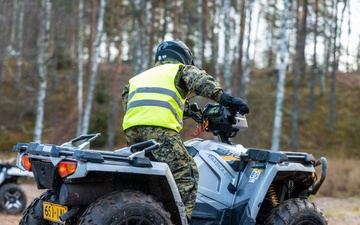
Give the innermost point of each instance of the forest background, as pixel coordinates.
(63, 65)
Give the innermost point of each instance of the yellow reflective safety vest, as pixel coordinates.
(154, 100)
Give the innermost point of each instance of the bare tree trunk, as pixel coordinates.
(165, 22)
(204, 29)
(237, 79)
(260, 14)
(94, 67)
(177, 4)
(335, 64)
(20, 45)
(152, 33)
(348, 37)
(92, 36)
(334, 69)
(281, 83)
(183, 20)
(138, 37)
(199, 33)
(296, 70)
(324, 66)
(117, 80)
(358, 56)
(13, 22)
(147, 56)
(42, 60)
(80, 69)
(217, 8)
(3, 37)
(314, 66)
(227, 63)
(327, 51)
(303, 39)
(109, 31)
(54, 62)
(246, 76)
(270, 37)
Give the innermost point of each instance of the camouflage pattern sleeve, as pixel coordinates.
(201, 83)
(124, 96)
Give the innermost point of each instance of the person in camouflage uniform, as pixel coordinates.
(154, 102)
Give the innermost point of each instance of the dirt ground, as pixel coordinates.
(338, 211)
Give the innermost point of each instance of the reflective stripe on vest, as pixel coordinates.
(158, 90)
(154, 100)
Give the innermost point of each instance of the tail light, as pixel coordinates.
(67, 168)
(25, 161)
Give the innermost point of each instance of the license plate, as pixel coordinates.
(53, 211)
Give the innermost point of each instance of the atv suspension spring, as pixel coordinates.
(271, 194)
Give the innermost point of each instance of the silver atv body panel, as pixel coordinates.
(223, 185)
(90, 162)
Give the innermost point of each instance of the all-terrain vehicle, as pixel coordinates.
(237, 185)
(12, 196)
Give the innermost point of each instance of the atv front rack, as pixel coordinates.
(270, 156)
(278, 157)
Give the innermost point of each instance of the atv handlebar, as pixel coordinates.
(193, 111)
(217, 119)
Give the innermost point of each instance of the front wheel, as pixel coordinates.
(12, 198)
(126, 207)
(296, 212)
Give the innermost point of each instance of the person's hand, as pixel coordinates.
(239, 105)
(234, 103)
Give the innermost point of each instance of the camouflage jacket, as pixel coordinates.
(189, 79)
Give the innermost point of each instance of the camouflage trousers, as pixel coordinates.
(173, 152)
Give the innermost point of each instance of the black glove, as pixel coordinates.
(234, 104)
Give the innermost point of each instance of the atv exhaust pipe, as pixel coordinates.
(72, 212)
(84, 193)
(316, 186)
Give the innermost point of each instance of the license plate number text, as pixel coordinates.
(53, 211)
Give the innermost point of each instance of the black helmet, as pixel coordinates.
(174, 50)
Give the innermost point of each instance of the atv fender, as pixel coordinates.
(254, 186)
(123, 177)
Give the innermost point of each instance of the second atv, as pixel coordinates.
(12, 196)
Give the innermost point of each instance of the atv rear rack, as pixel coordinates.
(96, 156)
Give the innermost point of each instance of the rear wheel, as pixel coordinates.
(126, 208)
(33, 215)
(12, 198)
(296, 212)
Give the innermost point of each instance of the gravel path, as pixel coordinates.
(338, 211)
